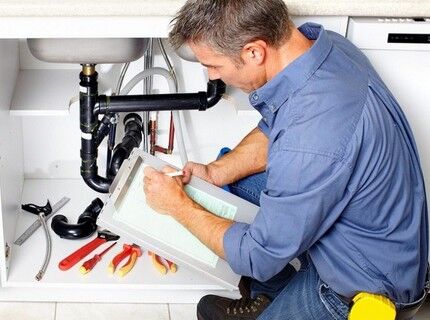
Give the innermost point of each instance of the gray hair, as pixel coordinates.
(228, 25)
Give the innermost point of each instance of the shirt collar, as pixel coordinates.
(276, 91)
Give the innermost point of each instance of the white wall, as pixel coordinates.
(51, 144)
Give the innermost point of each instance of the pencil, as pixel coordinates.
(175, 174)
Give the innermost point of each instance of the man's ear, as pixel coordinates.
(254, 52)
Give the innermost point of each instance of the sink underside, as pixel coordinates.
(88, 51)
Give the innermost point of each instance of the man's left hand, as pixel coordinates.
(164, 194)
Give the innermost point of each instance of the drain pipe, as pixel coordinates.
(162, 102)
(131, 140)
(91, 105)
(89, 128)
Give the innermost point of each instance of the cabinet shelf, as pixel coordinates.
(44, 92)
(26, 260)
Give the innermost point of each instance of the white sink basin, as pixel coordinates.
(88, 51)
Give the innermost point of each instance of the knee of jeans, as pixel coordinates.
(242, 192)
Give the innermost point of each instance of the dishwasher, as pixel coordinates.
(399, 49)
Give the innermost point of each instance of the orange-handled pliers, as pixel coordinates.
(132, 251)
(161, 264)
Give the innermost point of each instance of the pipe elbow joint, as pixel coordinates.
(216, 88)
(98, 183)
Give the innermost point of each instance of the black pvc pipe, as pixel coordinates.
(93, 132)
(162, 102)
(216, 88)
(131, 140)
(89, 131)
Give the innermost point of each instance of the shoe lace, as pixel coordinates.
(243, 305)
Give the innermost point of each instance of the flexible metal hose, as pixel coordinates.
(121, 78)
(48, 247)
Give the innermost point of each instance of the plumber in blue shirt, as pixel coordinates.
(332, 164)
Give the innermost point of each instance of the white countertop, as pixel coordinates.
(144, 8)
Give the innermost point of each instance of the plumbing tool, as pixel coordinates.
(172, 266)
(161, 264)
(31, 229)
(132, 251)
(41, 212)
(102, 237)
(88, 265)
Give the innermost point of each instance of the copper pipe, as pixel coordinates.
(169, 149)
(161, 149)
(153, 136)
(171, 134)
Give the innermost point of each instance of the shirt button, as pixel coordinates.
(255, 97)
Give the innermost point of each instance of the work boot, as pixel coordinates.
(213, 307)
(245, 287)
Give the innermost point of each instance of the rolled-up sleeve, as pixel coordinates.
(305, 194)
(262, 125)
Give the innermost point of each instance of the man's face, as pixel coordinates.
(219, 66)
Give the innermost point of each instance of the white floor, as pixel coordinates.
(85, 311)
(88, 311)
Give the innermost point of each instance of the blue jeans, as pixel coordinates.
(295, 296)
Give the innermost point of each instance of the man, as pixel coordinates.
(332, 164)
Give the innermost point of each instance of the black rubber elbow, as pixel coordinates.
(216, 88)
(86, 226)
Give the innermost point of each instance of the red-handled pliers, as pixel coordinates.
(132, 251)
(161, 264)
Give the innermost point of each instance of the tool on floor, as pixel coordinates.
(161, 264)
(172, 266)
(88, 265)
(132, 251)
(41, 212)
(48, 251)
(33, 209)
(102, 237)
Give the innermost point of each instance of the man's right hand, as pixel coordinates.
(202, 171)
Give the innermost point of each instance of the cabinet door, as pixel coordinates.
(11, 154)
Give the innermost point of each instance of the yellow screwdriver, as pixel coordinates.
(88, 265)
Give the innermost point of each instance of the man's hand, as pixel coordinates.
(164, 194)
(202, 171)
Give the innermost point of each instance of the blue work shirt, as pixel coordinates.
(343, 178)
